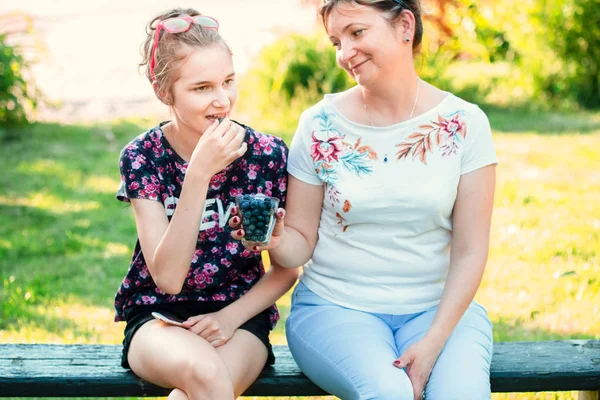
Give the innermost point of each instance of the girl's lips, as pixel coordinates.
(216, 116)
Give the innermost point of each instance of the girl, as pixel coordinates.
(390, 199)
(181, 178)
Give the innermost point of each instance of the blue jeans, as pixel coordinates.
(349, 353)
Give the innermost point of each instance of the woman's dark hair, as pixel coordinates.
(391, 9)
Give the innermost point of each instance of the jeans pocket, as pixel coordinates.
(303, 296)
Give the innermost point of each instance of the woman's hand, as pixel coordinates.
(215, 328)
(219, 146)
(418, 361)
(278, 230)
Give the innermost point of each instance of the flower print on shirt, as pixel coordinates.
(330, 152)
(220, 268)
(448, 133)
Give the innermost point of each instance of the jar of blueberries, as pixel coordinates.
(257, 212)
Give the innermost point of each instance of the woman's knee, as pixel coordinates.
(387, 389)
(453, 390)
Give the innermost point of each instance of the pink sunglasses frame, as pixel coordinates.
(161, 26)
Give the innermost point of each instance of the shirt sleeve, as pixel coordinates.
(280, 182)
(139, 178)
(479, 144)
(300, 163)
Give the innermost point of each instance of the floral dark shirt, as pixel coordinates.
(221, 269)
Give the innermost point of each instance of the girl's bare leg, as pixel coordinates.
(245, 357)
(171, 356)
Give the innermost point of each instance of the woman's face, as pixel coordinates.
(367, 46)
(205, 89)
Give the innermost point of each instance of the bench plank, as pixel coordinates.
(30, 370)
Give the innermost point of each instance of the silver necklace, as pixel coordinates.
(413, 107)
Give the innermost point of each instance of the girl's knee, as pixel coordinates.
(205, 374)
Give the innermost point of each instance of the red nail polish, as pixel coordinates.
(397, 362)
(235, 220)
(240, 232)
(255, 248)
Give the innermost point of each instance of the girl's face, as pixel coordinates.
(205, 89)
(367, 46)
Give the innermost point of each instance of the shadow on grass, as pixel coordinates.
(523, 120)
(519, 330)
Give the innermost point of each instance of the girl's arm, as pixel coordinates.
(169, 247)
(303, 214)
(274, 284)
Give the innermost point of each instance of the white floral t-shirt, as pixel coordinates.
(386, 220)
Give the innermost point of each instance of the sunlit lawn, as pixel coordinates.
(65, 242)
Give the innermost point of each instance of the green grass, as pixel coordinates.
(65, 242)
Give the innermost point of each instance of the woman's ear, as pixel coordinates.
(160, 95)
(406, 25)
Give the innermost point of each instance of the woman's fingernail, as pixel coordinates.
(255, 248)
(240, 232)
(280, 213)
(397, 362)
(233, 210)
(236, 220)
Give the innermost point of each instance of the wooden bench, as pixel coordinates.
(47, 370)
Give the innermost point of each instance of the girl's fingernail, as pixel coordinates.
(236, 220)
(255, 248)
(240, 232)
(233, 210)
(397, 362)
(280, 213)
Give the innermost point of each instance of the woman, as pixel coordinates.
(389, 204)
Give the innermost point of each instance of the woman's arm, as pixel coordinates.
(470, 242)
(303, 214)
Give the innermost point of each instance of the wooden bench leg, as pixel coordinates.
(589, 396)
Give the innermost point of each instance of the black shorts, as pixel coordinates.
(137, 316)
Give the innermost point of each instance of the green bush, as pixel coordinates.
(288, 76)
(18, 96)
(574, 33)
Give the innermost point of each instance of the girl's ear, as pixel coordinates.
(160, 95)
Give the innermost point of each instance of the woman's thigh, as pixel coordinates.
(462, 370)
(347, 353)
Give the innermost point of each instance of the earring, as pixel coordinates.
(406, 39)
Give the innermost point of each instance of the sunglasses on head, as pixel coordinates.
(399, 2)
(179, 24)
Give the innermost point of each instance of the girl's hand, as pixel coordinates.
(218, 147)
(418, 361)
(238, 234)
(213, 327)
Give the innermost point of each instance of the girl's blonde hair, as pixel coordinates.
(173, 48)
